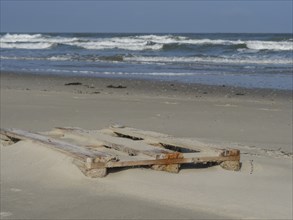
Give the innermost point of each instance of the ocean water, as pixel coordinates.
(245, 60)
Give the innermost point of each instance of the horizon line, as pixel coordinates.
(135, 32)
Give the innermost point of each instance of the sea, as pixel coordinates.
(242, 60)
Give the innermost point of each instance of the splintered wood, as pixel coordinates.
(96, 151)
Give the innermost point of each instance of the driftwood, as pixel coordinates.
(96, 151)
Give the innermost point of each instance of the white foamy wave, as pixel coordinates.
(148, 74)
(32, 46)
(224, 60)
(59, 58)
(214, 42)
(126, 43)
(19, 58)
(169, 39)
(161, 39)
(52, 58)
(109, 73)
(269, 45)
(135, 43)
(35, 38)
(255, 45)
(118, 43)
(144, 42)
(164, 60)
(24, 38)
(19, 37)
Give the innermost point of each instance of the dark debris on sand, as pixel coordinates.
(116, 87)
(73, 84)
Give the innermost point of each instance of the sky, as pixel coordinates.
(218, 16)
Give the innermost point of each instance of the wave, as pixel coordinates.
(36, 38)
(88, 72)
(117, 44)
(92, 58)
(134, 43)
(31, 46)
(12, 38)
(25, 41)
(147, 73)
(218, 60)
(269, 45)
(160, 60)
(51, 58)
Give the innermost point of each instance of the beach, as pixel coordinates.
(39, 183)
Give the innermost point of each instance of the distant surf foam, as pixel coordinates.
(95, 73)
(31, 46)
(134, 43)
(159, 59)
(227, 60)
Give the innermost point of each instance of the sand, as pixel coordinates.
(37, 182)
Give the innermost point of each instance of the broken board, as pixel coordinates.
(97, 151)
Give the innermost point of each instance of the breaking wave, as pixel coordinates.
(219, 60)
(269, 45)
(31, 46)
(87, 72)
(133, 43)
(159, 59)
(12, 38)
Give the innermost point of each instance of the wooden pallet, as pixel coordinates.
(95, 151)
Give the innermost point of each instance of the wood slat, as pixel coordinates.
(133, 148)
(194, 160)
(67, 148)
(162, 140)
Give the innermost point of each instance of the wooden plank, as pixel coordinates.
(67, 148)
(78, 135)
(84, 138)
(90, 172)
(133, 148)
(166, 161)
(162, 140)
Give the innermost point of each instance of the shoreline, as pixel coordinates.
(141, 86)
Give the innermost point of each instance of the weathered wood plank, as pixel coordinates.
(67, 148)
(162, 140)
(133, 148)
(89, 171)
(167, 161)
(87, 139)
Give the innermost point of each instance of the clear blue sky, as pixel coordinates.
(146, 16)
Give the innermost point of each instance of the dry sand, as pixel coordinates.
(37, 182)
